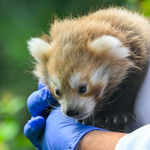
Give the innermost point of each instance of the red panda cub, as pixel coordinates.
(94, 65)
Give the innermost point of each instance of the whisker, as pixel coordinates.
(54, 105)
(47, 110)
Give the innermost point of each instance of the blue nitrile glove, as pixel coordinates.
(37, 102)
(60, 133)
(33, 130)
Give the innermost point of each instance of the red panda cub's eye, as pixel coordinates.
(82, 89)
(58, 93)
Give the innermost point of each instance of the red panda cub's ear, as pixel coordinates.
(112, 44)
(38, 49)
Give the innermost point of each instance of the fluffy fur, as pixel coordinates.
(92, 63)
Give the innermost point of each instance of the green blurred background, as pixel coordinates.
(20, 20)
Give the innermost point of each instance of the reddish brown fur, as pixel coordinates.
(70, 51)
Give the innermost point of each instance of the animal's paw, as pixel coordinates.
(121, 118)
(113, 122)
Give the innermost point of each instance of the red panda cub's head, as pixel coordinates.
(81, 72)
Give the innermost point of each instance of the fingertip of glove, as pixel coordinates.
(37, 122)
(38, 101)
(40, 121)
(34, 125)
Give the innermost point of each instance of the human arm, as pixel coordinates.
(100, 140)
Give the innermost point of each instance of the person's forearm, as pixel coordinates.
(99, 140)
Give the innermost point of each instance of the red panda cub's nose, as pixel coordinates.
(72, 113)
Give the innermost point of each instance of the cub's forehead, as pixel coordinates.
(74, 80)
(94, 76)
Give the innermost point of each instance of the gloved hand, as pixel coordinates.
(37, 102)
(60, 133)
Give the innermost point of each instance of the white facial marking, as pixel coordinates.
(74, 80)
(100, 76)
(97, 75)
(114, 45)
(56, 81)
(38, 47)
(89, 104)
(104, 81)
(63, 104)
(49, 79)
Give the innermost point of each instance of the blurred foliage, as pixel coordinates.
(145, 7)
(11, 112)
(20, 20)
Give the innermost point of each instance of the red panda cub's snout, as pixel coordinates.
(85, 60)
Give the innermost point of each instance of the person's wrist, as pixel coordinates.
(99, 140)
